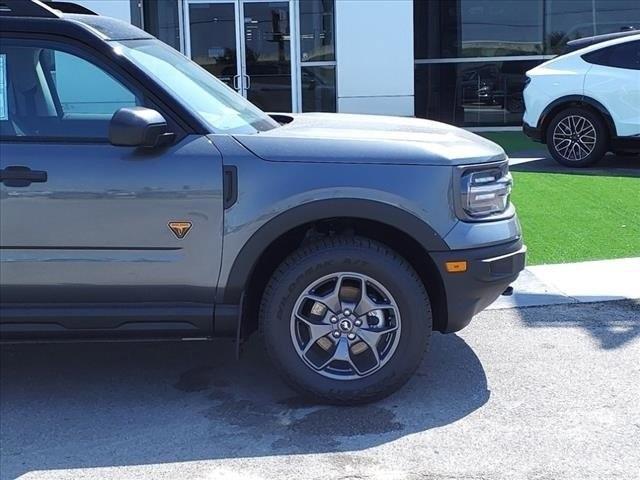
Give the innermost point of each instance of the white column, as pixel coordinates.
(374, 51)
(120, 9)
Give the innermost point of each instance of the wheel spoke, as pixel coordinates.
(316, 331)
(331, 300)
(586, 127)
(564, 128)
(375, 363)
(583, 148)
(587, 137)
(574, 151)
(340, 353)
(561, 136)
(365, 305)
(580, 124)
(570, 152)
(563, 145)
(371, 336)
(564, 150)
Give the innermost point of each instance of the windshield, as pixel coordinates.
(219, 106)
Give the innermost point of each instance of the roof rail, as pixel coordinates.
(579, 43)
(26, 8)
(69, 7)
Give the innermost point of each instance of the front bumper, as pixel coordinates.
(490, 270)
(533, 133)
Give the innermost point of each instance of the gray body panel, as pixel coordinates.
(268, 190)
(371, 139)
(96, 232)
(465, 235)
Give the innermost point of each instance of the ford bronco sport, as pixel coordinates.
(141, 198)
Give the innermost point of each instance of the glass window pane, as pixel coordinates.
(213, 39)
(317, 30)
(268, 55)
(218, 105)
(319, 89)
(472, 94)
(616, 15)
(83, 88)
(625, 55)
(477, 28)
(56, 94)
(161, 20)
(567, 20)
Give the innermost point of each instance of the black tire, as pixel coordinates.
(627, 153)
(345, 254)
(580, 160)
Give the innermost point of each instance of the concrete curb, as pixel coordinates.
(583, 282)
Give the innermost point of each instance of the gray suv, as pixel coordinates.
(141, 198)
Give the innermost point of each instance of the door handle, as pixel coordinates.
(247, 81)
(21, 176)
(236, 82)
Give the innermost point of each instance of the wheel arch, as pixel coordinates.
(570, 101)
(389, 224)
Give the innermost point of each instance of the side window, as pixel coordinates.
(83, 88)
(626, 55)
(51, 93)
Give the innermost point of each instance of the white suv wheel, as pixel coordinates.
(574, 138)
(577, 137)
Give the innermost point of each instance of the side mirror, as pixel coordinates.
(139, 127)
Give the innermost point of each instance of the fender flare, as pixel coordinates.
(390, 215)
(567, 99)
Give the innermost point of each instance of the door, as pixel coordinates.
(84, 224)
(267, 55)
(214, 37)
(246, 44)
(614, 81)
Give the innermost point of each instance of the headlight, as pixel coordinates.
(485, 192)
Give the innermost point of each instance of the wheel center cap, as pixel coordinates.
(345, 325)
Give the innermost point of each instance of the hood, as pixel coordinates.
(343, 138)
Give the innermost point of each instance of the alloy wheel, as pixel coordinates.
(574, 138)
(345, 326)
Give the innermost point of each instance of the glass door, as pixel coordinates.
(267, 54)
(212, 39)
(246, 44)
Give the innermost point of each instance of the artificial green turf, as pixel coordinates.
(513, 142)
(572, 218)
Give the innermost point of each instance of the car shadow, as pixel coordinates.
(68, 406)
(612, 324)
(610, 166)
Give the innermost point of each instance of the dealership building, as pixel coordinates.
(458, 61)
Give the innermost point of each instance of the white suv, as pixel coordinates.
(586, 103)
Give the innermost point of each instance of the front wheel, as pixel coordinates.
(346, 320)
(577, 137)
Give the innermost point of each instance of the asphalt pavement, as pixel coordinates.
(537, 393)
